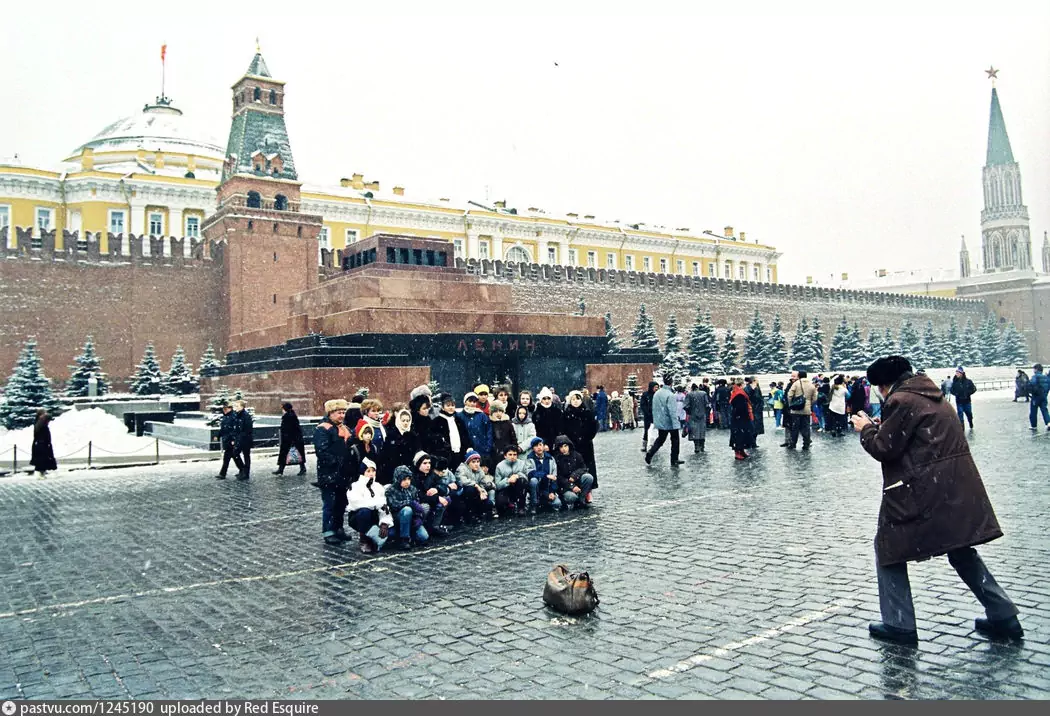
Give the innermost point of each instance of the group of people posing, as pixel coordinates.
(425, 466)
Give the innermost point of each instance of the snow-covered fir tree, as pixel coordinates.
(818, 344)
(933, 347)
(435, 388)
(873, 345)
(730, 355)
(839, 358)
(179, 380)
(26, 390)
(803, 349)
(238, 394)
(148, 377)
(209, 361)
(673, 340)
(702, 349)
(970, 349)
(632, 385)
(360, 391)
(777, 347)
(756, 346)
(952, 344)
(88, 364)
(222, 397)
(856, 355)
(645, 332)
(909, 345)
(988, 341)
(674, 362)
(1013, 350)
(613, 345)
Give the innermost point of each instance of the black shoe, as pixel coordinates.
(405, 545)
(341, 534)
(892, 634)
(220, 477)
(805, 447)
(302, 470)
(787, 445)
(278, 472)
(442, 530)
(645, 448)
(999, 628)
(532, 509)
(332, 539)
(648, 459)
(675, 463)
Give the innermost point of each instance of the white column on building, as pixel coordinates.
(541, 251)
(563, 250)
(137, 226)
(177, 226)
(473, 250)
(496, 251)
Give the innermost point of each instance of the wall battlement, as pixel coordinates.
(143, 249)
(703, 286)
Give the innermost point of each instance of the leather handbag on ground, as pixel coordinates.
(569, 593)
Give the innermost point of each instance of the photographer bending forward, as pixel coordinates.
(933, 501)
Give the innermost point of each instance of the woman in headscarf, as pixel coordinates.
(580, 427)
(43, 453)
(524, 429)
(402, 443)
(548, 418)
(741, 420)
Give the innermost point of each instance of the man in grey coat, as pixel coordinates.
(665, 418)
(697, 407)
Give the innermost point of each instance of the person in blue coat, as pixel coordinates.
(1038, 387)
(478, 425)
(665, 418)
(601, 409)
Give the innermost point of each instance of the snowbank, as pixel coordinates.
(71, 432)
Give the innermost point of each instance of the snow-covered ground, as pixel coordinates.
(71, 431)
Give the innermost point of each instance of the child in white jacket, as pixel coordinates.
(369, 513)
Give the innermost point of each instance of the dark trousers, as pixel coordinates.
(800, 425)
(512, 496)
(231, 453)
(282, 454)
(1034, 408)
(363, 519)
(964, 409)
(333, 510)
(648, 423)
(660, 439)
(895, 589)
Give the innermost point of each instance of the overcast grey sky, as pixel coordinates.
(849, 142)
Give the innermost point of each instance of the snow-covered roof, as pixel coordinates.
(158, 127)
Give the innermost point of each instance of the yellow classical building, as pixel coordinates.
(152, 174)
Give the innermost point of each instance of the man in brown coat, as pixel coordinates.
(933, 501)
(799, 417)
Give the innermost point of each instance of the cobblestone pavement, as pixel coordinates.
(719, 579)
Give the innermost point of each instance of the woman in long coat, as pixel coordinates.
(43, 454)
(697, 407)
(627, 405)
(580, 427)
(741, 420)
(758, 408)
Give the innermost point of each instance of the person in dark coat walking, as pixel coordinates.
(548, 418)
(645, 404)
(1038, 388)
(933, 501)
(580, 428)
(243, 437)
(42, 456)
(228, 442)
(741, 420)
(332, 440)
(858, 397)
(963, 390)
(291, 436)
(601, 409)
(697, 407)
(758, 408)
(722, 404)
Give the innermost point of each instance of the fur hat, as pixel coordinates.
(367, 463)
(330, 406)
(401, 472)
(417, 402)
(545, 393)
(498, 406)
(420, 390)
(419, 457)
(471, 454)
(888, 370)
(535, 441)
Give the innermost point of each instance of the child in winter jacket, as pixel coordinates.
(403, 499)
(502, 433)
(478, 490)
(542, 472)
(369, 512)
(433, 487)
(511, 483)
(479, 427)
(574, 479)
(524, 428)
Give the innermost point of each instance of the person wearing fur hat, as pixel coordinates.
(477, 490)
(402, 443)
(542, 472)
(547, 417)
(406, 508)
(450, 438)
(580, 427)
(478, 425)
(574, 480)
(332, 449)
(524, 428)
(369, 513)
(511, 481)
(502, 432)
(433, 491)
(933, 501)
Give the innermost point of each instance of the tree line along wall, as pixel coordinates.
(731, 303)
(123, 298)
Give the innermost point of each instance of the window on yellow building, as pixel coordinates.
(729, 270)
(610, 261)
(592, 259)
(117, 223)
(351, 236)
(628, 263)
(647, 264)
(663, 265)
(756, 273)
(572, 257)
(769, 275)
(552, 255)
(5, 216)
(44, 218)
(193, 227)
(457, 248)
(156, 224)
(483, 249)
(680, 267)
(712, 269)
(741, 272)
(696, 268)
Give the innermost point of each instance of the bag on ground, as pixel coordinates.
(569, 593)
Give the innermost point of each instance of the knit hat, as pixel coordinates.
(361, 426)
(367, 463)
(888, 370)
(470, 396)
(535, 441)
(471, 454)
(960, 371)
(573, 393)
(419, 457)
(481, 389)
(330, 406)
(498, 406)
(545, 393)
(401, 472)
